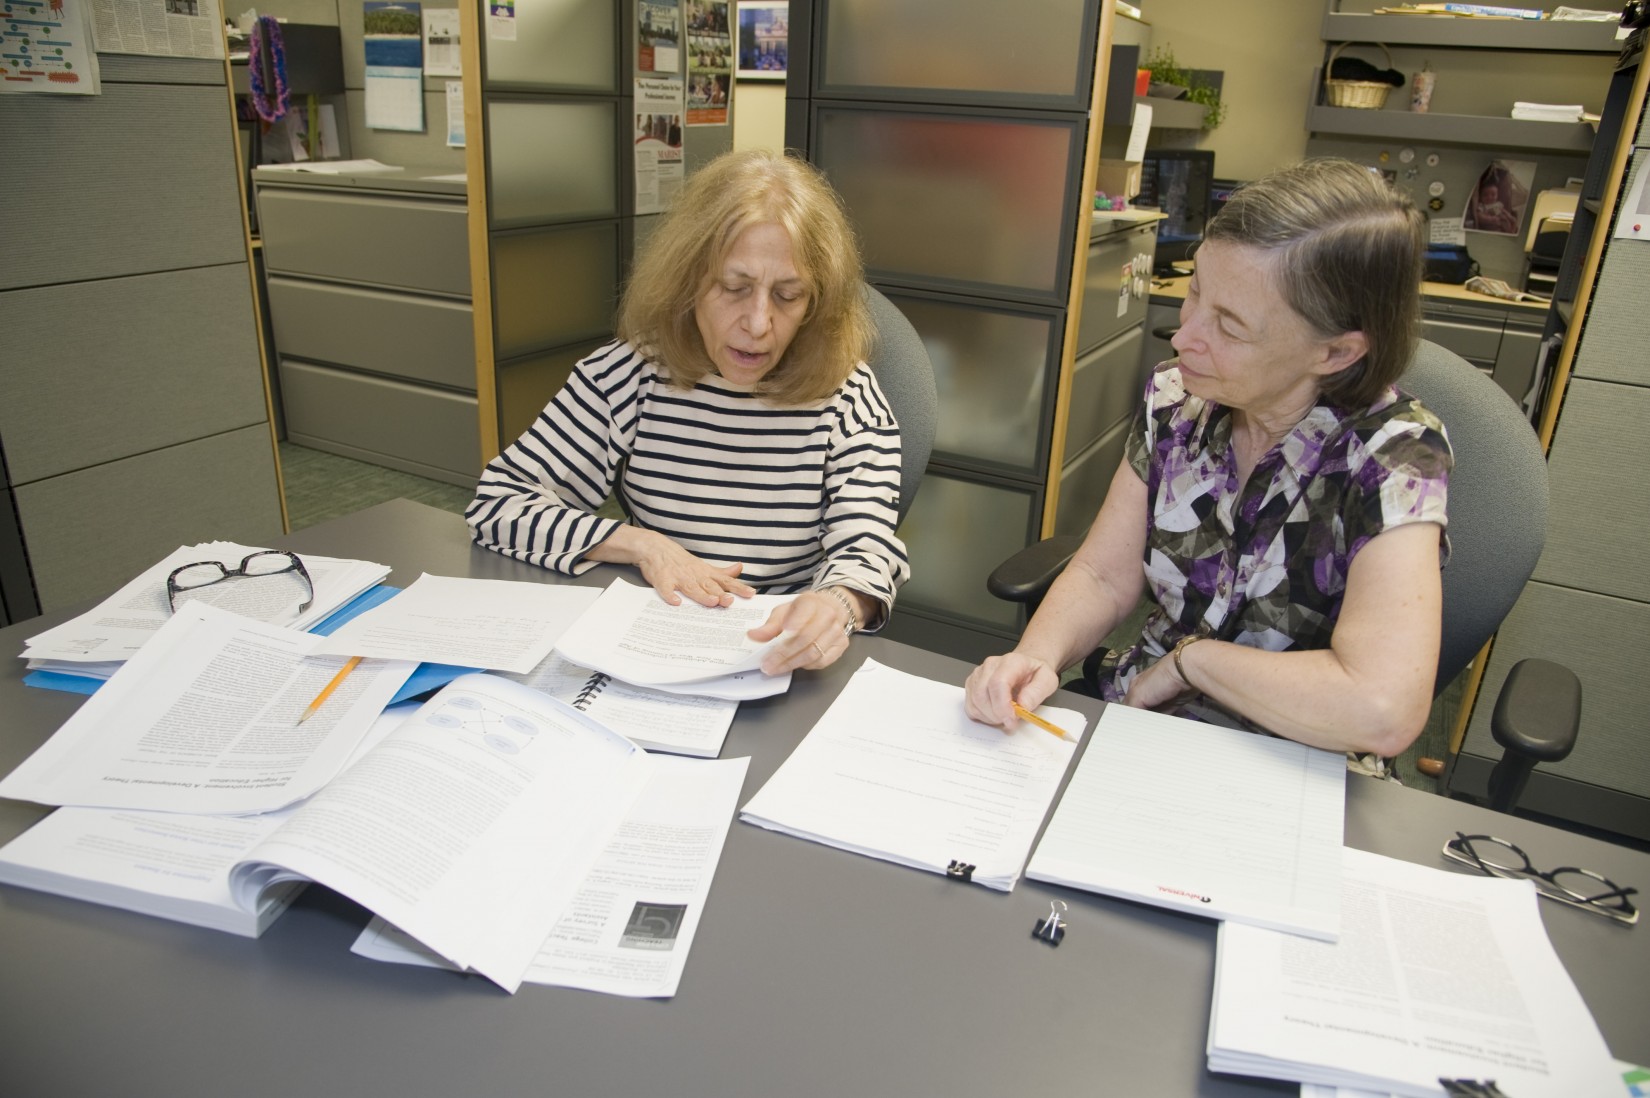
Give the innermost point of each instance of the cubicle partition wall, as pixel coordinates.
(958, 138)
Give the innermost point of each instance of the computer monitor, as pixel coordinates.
(1178, 182)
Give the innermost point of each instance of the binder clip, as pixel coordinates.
(1052, 929)
(959, 871)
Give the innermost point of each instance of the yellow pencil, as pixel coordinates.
(1027, 715)
(326, 691)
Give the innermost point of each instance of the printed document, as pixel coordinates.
(470, 826)
(634, 635)
(629, 929)
(119, 625)
(1437, 974)
(1206, 820)
(204, 719)
(895, 769)
(501, 625)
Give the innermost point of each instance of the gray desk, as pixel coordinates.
(815, 972)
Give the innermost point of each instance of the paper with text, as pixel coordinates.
(1206, 820)
(1436, 974)
(630, 928)
(502, 625)
(896, 770)
(634, 635)
(203, 719)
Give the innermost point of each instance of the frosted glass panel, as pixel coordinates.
(989, 368)
(551, 161)
(558, 44)
(526, 385)
(972, 201)
(956, 533)
(553, 288)
(1035, 47)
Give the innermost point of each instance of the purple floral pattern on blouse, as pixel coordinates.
(1265, 563)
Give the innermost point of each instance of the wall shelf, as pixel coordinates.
(1452, 129)
(1542, 35)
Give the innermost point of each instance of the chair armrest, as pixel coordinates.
(1539, 711)
(1027, 575)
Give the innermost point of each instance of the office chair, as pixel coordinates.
(1497, 526)
(900, 362)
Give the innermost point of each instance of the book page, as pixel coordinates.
(634, 635)
(658, 720)
(502, 625)
(630, 928)
(1206, 820)
(469, 827)
(204, 719)
(1437, 974)
(895, 769)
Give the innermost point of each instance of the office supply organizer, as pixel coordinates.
(1367, 95)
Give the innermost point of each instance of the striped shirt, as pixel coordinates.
(803, 496)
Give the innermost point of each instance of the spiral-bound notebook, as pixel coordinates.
(679, 723)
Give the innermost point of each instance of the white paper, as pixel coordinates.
(329, 132)
(502, 625)
(455, 114)
(1633, 218)
(118, 626)
(659, 721)
(204, 720)
(1206, 820)
(634, 635)
(1437, 974)
(443, 54)
(160, 28)
(469, 827)
(631, 926)
(1140, 128)
(896, 770)
(1446, 230)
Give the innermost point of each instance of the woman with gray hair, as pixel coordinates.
(734, 417)
(1281, 502)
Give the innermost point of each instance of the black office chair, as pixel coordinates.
(1497, 526)
(900, 362)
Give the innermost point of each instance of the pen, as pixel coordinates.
(326, 691)
(1027, 715)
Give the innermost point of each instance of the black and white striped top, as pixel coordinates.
(803, 497)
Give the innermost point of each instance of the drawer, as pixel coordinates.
(427, 339)
(1477, 343)
(408, 427)
(1084, 480)
(412, 243)
(1105, 388)
(1099, 319)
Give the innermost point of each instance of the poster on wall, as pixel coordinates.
(393, 48)
(658, 142)
(658, 36)
(47, 47)
(1496, 203)
(160, 28)
(442, 56)
(501, 20)
(764, 36)
(710, 62)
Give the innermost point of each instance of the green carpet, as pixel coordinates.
(321, 486)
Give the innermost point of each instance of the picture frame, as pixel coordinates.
(764, 33)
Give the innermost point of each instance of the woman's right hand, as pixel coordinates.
(999, 682)
(671, 570)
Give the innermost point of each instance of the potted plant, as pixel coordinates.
(1170, 81)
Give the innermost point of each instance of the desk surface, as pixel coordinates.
(1171, 290)
(815, 971)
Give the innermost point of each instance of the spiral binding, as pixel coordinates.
(594, 685)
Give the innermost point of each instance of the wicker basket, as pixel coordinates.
(1363, 95)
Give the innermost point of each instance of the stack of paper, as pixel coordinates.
(1436, 975)
(896, 770)
(635, 636)
(1548, 112)
(1205, 820)
(94, 644)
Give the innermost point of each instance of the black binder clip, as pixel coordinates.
(1052, 929)
(959, 871)
(1471, 1088)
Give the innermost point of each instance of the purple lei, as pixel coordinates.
(266, 28)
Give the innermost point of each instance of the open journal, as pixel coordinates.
(895, 769)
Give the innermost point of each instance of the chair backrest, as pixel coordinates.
(1497, 499)
(900, 362)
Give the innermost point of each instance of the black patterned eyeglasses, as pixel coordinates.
(1567, 884)
(265, 586)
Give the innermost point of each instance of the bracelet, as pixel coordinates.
(1179, 647)
(853, 619)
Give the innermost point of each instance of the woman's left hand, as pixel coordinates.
(816, 624)
(1158, 685)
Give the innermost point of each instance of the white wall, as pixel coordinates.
(759, 114)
